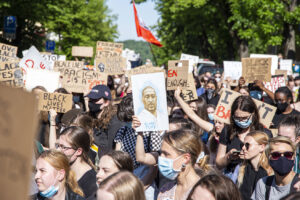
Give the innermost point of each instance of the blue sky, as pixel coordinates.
(124, 11)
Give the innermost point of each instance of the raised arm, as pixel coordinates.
(260, 84)
(52, 132)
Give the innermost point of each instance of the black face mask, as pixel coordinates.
(282, 166)
(281, 107)
(94, 108)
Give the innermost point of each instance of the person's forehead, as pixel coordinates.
(281, 147)
(149, 91)
(240, 113)
(42, 163)
(286, 130)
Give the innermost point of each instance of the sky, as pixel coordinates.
(124, 11)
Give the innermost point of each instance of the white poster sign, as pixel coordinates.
(193, 60)
(45, 78)
(287, 64)
(274, 65)
(34, 60)
(232, 69)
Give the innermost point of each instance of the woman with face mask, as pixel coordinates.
(283, 101)
(255, 165)
(244, 118)
(54, 178)
(211, 95)
(281, 154)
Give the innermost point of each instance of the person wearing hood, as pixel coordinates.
(211, 95)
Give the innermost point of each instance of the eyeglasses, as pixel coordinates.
(276, 155)
(242, 119)
(64, 148)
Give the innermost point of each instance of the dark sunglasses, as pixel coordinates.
(276, 155)
(247, 145)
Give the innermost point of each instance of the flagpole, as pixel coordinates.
(152, 53)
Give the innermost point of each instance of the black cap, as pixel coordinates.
(100, 91)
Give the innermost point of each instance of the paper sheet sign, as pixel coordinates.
(177, 74)
(190, 93)
(232, 69)
(61, 103)
(223, 110)
(111, 65)
(82, 51)
(34, 60)
(108, 49)
(8, 50)
(193, 60)
(287, 64)
(18, 127)
(276, 82)
(256, 69)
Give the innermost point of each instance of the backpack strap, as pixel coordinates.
(294, 181)
(269, 182)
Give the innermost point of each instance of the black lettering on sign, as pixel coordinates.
(226, 97)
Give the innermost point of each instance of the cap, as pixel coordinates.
(100, 91)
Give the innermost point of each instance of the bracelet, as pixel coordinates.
(53, 125)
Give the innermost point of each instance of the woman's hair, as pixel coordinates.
(181, 123)
(213, 81)
(106, 115)
(211, 106)
(220, 186)
(121, 159)
(61, 90)
(39, 88)
(86, 122)
(124, 186)
(245, 88)
(79, 138)
(59, 161)
(286, 91)
(279, 139)
(125, 109)
(261, 138)
(201, 112)
(246, 104)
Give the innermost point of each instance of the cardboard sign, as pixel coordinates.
(18, 126)
(62, 65)
(276, 82)
(274, 62)
(51, 58)
(193, 60)
(108, 49)
(11, 74)
(8, 50)
(287, 64)
(256, 69)
(5, 59)
(232, 69)
(61, 103)
(111, 65)
(223, 109)
(177, 74)
(82, 51)
(282, 72)
(190, 93)
(45, 78)
(34, 60)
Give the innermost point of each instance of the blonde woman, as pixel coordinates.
(255, 165)
(54, 178)
(281, 153)
(121, 186)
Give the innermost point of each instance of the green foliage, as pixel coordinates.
(140, 47)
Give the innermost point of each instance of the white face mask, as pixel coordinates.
(218, 79)
(117, 80)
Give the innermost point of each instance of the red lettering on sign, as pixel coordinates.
(29, 63)
(42, 66)
(172, 73)
(221, 112)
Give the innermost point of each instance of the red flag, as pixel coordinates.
(143, 31)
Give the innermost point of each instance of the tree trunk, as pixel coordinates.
(243, 49)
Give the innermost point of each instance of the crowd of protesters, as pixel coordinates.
(94, 151)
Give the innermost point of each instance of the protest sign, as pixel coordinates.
(150, 102)
(108, 49)
(8, 50)
(223, 110)
(45, 78)
(111, 65)
(34, 60)
(51, 58)
(190, 93)
(256, 69)
(18, 126)
(61, 103)
(282, 72)
(177, 74)
(232, 69)
(276, 82)
(79, 51)
(274, 63)
(193, 60)
(287, 64)
(5, 59)
(11, 74)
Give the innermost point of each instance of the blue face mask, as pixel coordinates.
(165, 166)
(211, 117)
(76, 99)
(242, 124)
(256, 94)
(50, 192)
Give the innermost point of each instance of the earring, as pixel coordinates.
(183, 166)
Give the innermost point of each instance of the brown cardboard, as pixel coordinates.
(11, 74)
(190, 93)
(111, 65)
(177, 74)
(61, 103)
(8, 50)
(266, 112)
(8, 59)
(18, 127)
(256, 69)
(281, 72)
(108, 49)
(79, 51)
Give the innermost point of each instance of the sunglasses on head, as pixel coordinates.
(276, 155)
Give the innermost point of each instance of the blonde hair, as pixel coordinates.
(279, 139)
(124, 186)
(59, 161)
(262, 139)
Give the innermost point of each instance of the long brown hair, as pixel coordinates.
(106, 115)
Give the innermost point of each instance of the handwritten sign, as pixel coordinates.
(18, 115)
(34, 60)
(256, 69)
(232, 69)
(5, 59)
(8, 50)
(190, 93)
(274, 63)
(282, 72)
(223, 110)
(11, 74)
(80, 51)
(276, 82)
(45, 78)
(111, 65)
(193, 60)
(61, 103)
(177, 74)
(108, 49)
(287, 64)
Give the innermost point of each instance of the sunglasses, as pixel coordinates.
(276, 155)
(247, 145)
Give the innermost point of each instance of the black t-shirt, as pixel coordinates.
(88, 183)
(213, 100)
(279, 116)
(250, 179)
